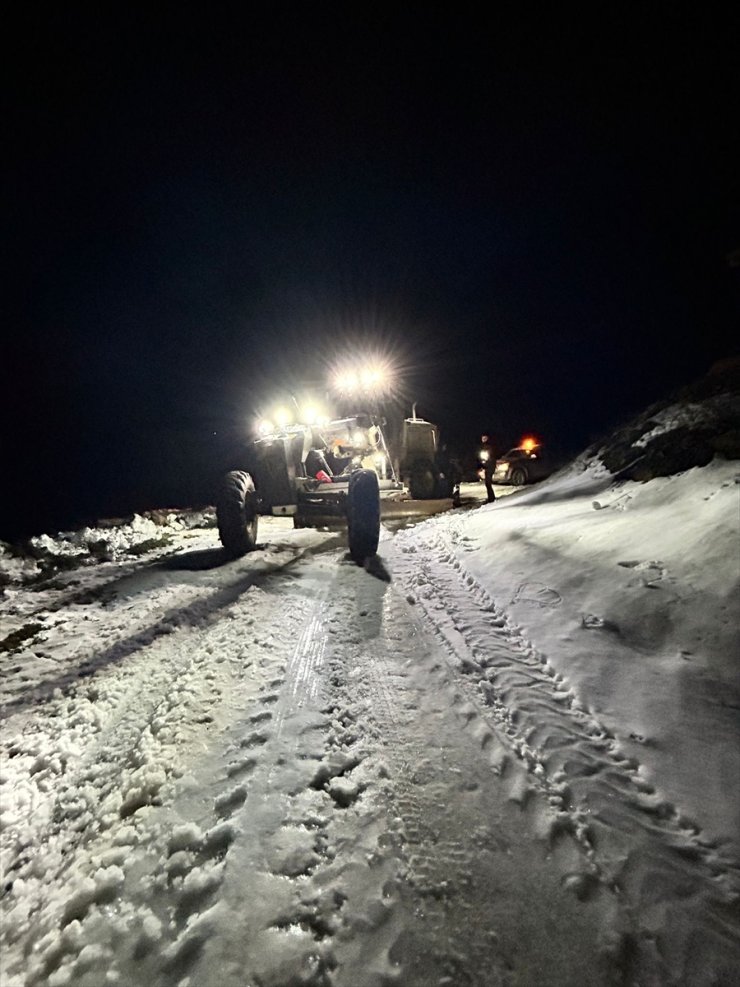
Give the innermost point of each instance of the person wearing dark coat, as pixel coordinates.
(488, 458)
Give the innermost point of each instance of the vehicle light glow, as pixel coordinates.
(347, 381)
(484, 455)
(371, 377)
(265, 427)
(529, 443)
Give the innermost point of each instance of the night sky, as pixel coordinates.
(533, 217)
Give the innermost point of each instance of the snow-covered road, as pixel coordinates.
(289, 770)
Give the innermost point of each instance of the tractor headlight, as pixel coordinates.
(265, 427)
(370, 379)
(347, 381)
(283, 417)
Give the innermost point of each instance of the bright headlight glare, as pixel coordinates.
(309, 415)
(371, 378)
(359, 439)
(348, 381)
(282, 416)
(265, 427)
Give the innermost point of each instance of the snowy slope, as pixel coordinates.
(631, 592)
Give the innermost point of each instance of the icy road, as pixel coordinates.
(289, 770)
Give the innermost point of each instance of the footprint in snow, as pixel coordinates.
(650, 573)
(591, 622)
(583, 885)
(241, 767)
(254, 739)
(538, 594)
(197, 887)
(227, 804)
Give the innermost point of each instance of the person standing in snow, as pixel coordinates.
(488, 458)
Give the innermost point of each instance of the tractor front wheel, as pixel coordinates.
(363, 514)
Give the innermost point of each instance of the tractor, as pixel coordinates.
(336, 473)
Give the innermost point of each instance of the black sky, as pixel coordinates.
(534, 215)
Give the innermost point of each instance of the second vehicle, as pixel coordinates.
(524, 464)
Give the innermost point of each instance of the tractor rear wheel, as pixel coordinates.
(236, 513)
(445, 486)
(423, 481)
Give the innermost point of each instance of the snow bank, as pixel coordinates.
(43, 554)
(632, 592)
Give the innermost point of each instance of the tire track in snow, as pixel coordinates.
(93, 790)
(438, 866)
(237, 827)
(276, 859)
(471, 899)
(639, 845)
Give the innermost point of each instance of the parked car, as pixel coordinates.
(524, 464)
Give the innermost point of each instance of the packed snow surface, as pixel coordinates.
(505, 751)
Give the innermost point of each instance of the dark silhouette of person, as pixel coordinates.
(488, 456)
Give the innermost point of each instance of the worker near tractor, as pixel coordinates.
(488, 459)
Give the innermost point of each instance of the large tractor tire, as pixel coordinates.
(423, 481)
(363, 514)
(445, 486)
(236, 513)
